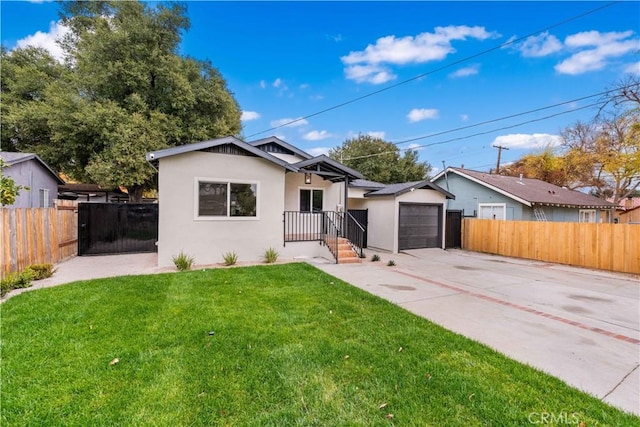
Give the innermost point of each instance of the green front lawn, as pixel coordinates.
(267, 345)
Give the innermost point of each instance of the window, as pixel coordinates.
(587, 215)
(43, 198)
(492, 210)
(227, 199)
(310, 200)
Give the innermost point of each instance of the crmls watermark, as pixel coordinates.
(555, 418)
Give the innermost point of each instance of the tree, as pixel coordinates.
(8, 188)
(380, 161)
(124, 91)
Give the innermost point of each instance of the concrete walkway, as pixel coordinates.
(582, 326)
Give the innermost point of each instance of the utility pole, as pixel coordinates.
(500, 148)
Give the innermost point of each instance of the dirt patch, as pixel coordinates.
(588, 298)
(576, 309)
(400, 287)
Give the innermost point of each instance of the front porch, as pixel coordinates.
(340, 232)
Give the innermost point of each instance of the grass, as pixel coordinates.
(265, 345)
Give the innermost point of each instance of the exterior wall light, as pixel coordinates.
(307, 178)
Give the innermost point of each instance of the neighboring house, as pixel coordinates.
(92, 193)
(31, 171)
(629, 211)
(491, 196)
(228, 195)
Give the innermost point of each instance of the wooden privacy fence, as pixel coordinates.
(614, 247)
(37, 235)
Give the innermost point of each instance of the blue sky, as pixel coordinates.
(428, 73)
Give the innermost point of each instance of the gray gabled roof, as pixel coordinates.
(12, 158)
(530, 191)
(154, 156)
(324, 163)
(277, 141)
(405, 187)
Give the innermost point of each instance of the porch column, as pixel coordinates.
(346, 205)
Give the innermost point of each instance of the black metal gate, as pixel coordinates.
(453, 233)
(362, 216)
(116, 228)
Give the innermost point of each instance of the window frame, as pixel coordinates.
(494, 205)
(591, 213)
(311, 190)
(44, 201)
(228, 217)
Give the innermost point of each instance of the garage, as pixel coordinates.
(420, 226)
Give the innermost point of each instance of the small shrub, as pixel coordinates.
(15, 281)
(391, 263)
(41, 271)
(375, 258)
(230, 258)
(183, 262)
(270, 256)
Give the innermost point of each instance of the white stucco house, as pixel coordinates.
(228, 195)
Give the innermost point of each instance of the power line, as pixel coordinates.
(479, 133)
(449, 65)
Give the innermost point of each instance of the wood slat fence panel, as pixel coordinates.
(614, 247)
(37, 235)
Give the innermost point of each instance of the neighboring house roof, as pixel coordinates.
(154, 156)
(275, 144)
(530, 192)
(405, 187)
(327, 167)
(365, 183)
(12, 158)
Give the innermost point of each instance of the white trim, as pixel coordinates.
(493, 205)
(196, 196)
(43, 202)
(589, 214)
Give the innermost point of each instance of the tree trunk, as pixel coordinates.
(135, 193)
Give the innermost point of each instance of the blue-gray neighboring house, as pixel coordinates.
(490, 196)
(29, 170)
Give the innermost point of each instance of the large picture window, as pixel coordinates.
(227, 199)
(311, 200)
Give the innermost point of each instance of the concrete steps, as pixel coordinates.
(346, 254)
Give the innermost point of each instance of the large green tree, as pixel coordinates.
(124, 90)
(380, 161)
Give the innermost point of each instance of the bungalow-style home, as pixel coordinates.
(29, 170)
(228, 195)
(490, 196)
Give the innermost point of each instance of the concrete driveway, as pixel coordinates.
(582, 326)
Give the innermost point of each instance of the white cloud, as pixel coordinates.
(318, 151)
(288, 122)
(47, 40)
(597, 49)
(464, 117)
(372, 64)
(419, 114)
(317, 135)
(376, 134)
(277, 82)
(528, 141)
(414, 146)
(249, 115)
(369, 73)
(541, 45)
(263, 84)
(633, 68)
(465, 72)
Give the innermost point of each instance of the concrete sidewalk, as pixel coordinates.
(582, 326)
(579, 325)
